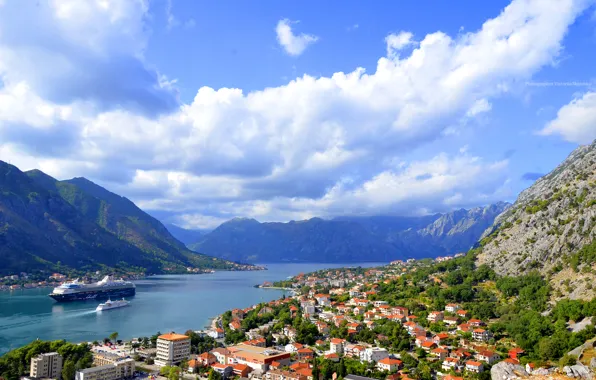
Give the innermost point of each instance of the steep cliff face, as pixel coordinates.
(551, 227)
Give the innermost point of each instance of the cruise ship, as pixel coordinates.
(104, 289)
(109, 304)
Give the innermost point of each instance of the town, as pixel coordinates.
(392, 322)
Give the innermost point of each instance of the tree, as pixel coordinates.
(68, 370)
(214, 375)
(113, 336)
(315, 369)
(341, 370)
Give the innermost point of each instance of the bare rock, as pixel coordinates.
(507, 371)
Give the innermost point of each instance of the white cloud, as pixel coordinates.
(315, 146)
(396, 42)
(293, 44)
(479, 106)
(576, 121)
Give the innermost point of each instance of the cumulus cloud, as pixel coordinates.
(576, 121)
(82, 51)
(396, 42)
(293, 44)
(315, 146)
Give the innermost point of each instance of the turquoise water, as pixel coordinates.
(162, 303)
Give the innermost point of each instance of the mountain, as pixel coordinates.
(46, 224)
(186, 236)
(349, 239)
(551, 228)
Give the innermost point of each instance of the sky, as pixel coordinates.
(202, 111)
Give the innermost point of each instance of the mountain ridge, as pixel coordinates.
(46, 224)
(379, 238)
(551, 228)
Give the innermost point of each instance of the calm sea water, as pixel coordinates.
(162, 303)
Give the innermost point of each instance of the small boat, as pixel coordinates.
(109, 304)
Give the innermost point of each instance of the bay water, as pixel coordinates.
(162, 303)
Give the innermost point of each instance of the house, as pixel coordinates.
(389, 364)
(225, 370)
(451, 321)
(283, 375)
(193, 365)
(336, 345)
(305, 354)
(221, 354)
(475, 322)
(379, 303)
(487, 356)
(462, 314)
(401, 310)
(450, 364)
(206, 359)
(332, 357)
(359, 310)
(481, 335)
(293, 347)
(373, 354)
(474, 366)
(440, 353)
(235, 325)
(428, 345)
(435, 316)
(241, 370)
(464, 327)
(440, 338)
(355, 326)
(322, 327)
(452, 307)
(515, 353)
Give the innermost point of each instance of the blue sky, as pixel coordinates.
(203, 111)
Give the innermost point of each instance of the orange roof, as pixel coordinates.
(390, 361)
(473, 363)
(442, 335)
(173, 337)
(480, 331)
(337, 340)
(428, 344)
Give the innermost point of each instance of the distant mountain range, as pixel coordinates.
(349, 239)
(75, 224)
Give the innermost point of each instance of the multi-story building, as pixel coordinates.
(172, 348)
(337, 345)
(122, 369)
(373, 354)
(257, 358)
(46, 365)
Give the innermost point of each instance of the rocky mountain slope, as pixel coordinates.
(49, 224)
(551, 228)
(349, 239)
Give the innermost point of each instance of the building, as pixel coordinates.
(122, 369)
(258, 358)
(488, 356)
(389, 364)
(435, 316)
(452, 307)
(373, 354)
(481, 335)
(474, 366)
(172, 348)
(46, 365)
(336, 345)
(105, 358)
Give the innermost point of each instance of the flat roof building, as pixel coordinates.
(46, 365)
(172, 348)
(258, 358)
(119, 370)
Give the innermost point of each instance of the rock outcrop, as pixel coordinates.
(549, 222)
(507, 371)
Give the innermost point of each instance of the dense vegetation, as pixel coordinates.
(16, 363)
(76, 225)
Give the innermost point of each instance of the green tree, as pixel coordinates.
(68, 370)
(113, 336)
(315, 369)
